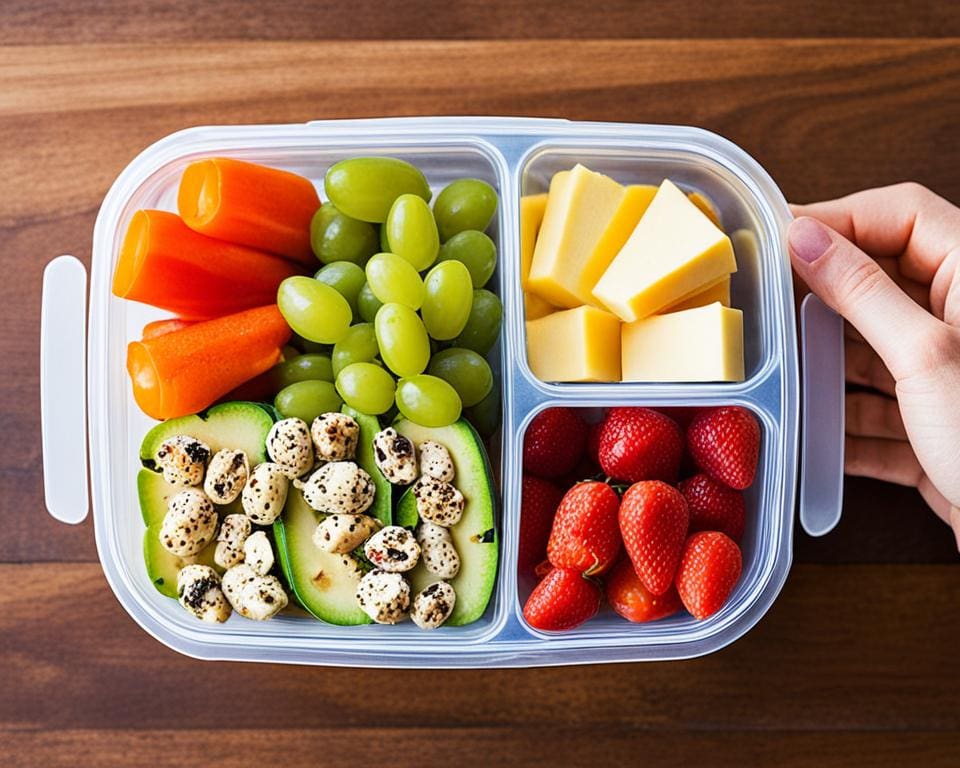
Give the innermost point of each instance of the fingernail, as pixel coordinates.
(808, 239)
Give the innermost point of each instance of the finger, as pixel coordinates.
(919, 292)
(889, 460)
(869, 415)
(854, 285)
(906, 221)
(864, 367)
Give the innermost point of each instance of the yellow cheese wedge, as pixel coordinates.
(581, 344)
(674, 251)
(706, 205)
(701, 344)
(579, 208)
(531, 216)
(719, 291)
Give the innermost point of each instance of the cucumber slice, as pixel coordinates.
(154, 492)
(163, 567)
(475, 536)
(323, 583)
(383, 501)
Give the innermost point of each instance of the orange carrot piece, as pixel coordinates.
(160, 327)
(165, 263)
(251, 204)
(185, 371)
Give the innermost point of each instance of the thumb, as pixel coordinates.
(855, 286)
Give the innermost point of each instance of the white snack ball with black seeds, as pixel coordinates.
(257, 553)
(226, 476)
(183, 459)
(438, 502)
(335, 436)
(340, 534)
(265, 493)
(198, 590)
(253, 596)
(433, 606)
(190, 523)
(289, 446)
(393, 549)
(435, 461)
(437, 551)
(339, 488)
(234, 531)
(383, 596)
(395, 456)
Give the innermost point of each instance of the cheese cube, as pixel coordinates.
(581, 344)
(701, 344)
(719, 291)
(534, 307)
(674, 251)
(531, 217)
(580, 206)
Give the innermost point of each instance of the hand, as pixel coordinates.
(903, 300)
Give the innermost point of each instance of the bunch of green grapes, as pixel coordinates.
(401, 298)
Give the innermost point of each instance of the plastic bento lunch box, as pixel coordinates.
(517, 156)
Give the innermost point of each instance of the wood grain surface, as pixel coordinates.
(856, 663)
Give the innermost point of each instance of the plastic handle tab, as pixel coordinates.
(822, 431)
(63, 412)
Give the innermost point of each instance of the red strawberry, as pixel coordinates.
(543, 568)
(593, 443)
(640, 444)
(563, 600)
(554, 442)
(628, 597)
(709, 569)
(653, 522)
(585, 535)
(714, 506)
(538, 503)
(725, 443)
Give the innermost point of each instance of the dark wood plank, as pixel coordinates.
(824, 117)
(82, 21)
(844, 648)
(435, 745)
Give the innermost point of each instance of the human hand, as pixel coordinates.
(903, 300)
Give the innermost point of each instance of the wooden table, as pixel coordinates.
(857, 663)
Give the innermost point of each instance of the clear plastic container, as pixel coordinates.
(517, 156)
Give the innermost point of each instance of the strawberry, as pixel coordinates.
(640, 444)
(563, 600)
(714, 506)
(585, 535)
(554, 442)
(708, 571)
(538, 503)
(543, 568)
(593, 443)
(628, 597)
(725, 443)
(653, 523)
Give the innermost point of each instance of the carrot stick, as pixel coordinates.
(165, 263)
(185, 371)
(251, 204)
(160, 327)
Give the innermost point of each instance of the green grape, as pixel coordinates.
(393, 280)
(289, 352)
(412, 231)
(448, 300)
(464, 370)
(314, 309)
(464, 204)
(305, 345)
(307, 399)
(334, 236)
(346, 278)
(307, 367)
(485, 415)
(404, 345)
(483, 326)
(368, 304)
(358, 346)
(366, 387)
(476, 251)
(365, 187)
(384, 242)
(428, 401)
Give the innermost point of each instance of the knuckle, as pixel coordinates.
(859, 283)
(913, 191)
(936, 348)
